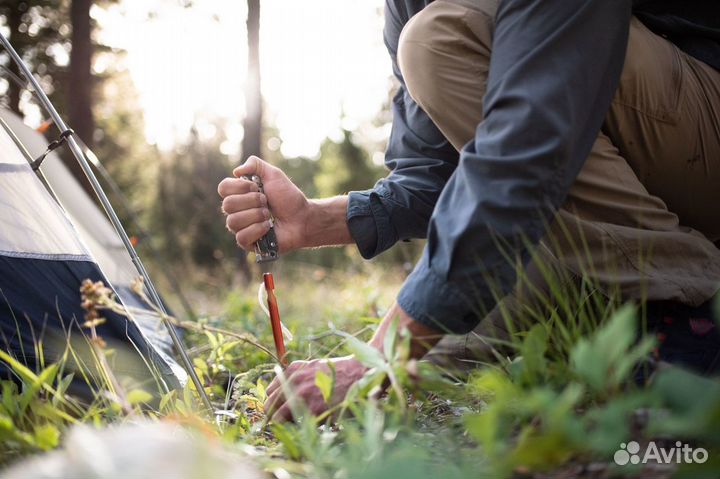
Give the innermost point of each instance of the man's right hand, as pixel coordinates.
(248, 210)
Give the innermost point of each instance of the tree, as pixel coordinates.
(252, 125)
(80, 79)
(37, 31)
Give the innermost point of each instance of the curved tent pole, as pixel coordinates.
(97, 188)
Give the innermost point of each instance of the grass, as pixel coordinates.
(558, 398)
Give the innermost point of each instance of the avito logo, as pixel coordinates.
(680, 454)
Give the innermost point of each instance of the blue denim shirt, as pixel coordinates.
(554, 68)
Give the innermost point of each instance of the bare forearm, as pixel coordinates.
(326, 223)
(422, 337)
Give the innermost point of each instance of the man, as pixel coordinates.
(598, 117)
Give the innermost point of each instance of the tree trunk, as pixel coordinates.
(80, 81)
(14, 19)
(80, 84)
(252, 140)
(253, 99)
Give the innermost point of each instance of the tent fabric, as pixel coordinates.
(95, 231)
(29, 220)
(40, 303)
(42, 264)
(91, 223)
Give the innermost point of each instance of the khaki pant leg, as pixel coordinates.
(611, 229)
(645, 212)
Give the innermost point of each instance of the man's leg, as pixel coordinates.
(611, 229)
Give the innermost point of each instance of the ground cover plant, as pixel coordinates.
(558, 401)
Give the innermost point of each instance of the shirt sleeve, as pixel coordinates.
(420, 160)
(554, 68)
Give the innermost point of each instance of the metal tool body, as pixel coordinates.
(266, 248)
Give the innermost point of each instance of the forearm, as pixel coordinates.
(422, 337)
(326, 223)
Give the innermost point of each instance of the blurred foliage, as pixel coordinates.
(344, 166)
(39, 31)
(186, 212)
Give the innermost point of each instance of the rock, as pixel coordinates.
(140, 450)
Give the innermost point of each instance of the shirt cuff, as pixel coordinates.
(440, 304)
(369, 222)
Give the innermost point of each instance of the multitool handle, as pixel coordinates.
(266, 248)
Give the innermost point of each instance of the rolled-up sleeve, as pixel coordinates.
(554, 68)
(420, 160)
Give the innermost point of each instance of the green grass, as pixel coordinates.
(558, 398)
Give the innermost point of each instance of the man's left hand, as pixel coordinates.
(300, 377)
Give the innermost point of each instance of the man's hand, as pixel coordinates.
(248, 210)
(299, 222)
(300, 376)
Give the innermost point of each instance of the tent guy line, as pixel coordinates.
(97, 188)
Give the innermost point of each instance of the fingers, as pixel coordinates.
(243, 219)
(283, 414)
(247, 237)
(274, 391)
(273, 401)
(284, 407)
(288, 373)
(252, 166)
(236, 186)
(235, 203)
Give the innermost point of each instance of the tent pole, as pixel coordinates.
(120, 196)
(97, 188)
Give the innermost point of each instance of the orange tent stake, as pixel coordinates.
(275, 318)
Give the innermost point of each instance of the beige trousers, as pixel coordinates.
(642, 216)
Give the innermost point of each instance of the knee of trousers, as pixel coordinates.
(436, 41)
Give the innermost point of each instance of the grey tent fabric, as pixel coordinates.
(58, 242)
(93, 228)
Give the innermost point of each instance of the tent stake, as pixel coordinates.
(97, 188)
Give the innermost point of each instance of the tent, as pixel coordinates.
(93, 228)
(50, 240)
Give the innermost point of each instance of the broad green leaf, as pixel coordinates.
(260, 391)
(9, 397)
(18, 367)
(46, 377)
(288, 440)
(532, 363)
(138, 396)
(325, 384)
(364, 353)
(166, 398)
(389, 339)
(6, 424)
(47, 437)
(535, 345)
(64, 383)
(594, 359)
